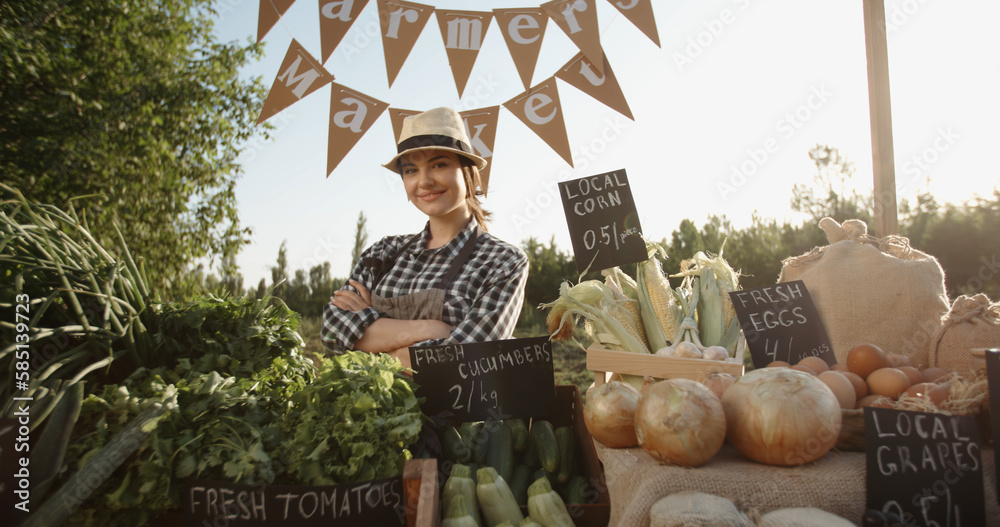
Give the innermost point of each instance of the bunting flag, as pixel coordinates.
(396, 117)
(481, 125)
(268, 14)
(300, 74)
(463, 33)
(523, 30)
(335, 18)
(401, 24)
(352, 113)
(640, 13)
(582, 75)
(578, 19)
(540, 110)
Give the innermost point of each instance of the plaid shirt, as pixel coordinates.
(482, 304)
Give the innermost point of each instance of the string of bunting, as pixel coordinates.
(352, 113)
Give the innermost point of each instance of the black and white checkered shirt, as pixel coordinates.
(482, 304)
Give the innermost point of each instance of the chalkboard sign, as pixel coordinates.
(924, 467)
(780, 322)
(603, 223)
(993, 381)
(376, 502)
(501, 379)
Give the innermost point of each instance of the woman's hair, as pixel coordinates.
(474, 189)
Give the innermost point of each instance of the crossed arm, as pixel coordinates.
(388, 335)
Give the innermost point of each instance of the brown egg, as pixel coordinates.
(866, 358)
(875, 401)
(841, 387)
(887, 381)
(803, 367)
(935, 393)
(898, 359)
(817, 364)
(778, 364)
(933, 374)
(839, 366)
(860, 386)
(913, 373)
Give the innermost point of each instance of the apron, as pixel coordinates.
(425, 304)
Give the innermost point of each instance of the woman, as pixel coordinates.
(451, 283)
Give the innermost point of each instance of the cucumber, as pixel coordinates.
(543, 435)
(530, 456)
(519, 430)
(453, 447)
(519, 482)
(567, 451)
(542, 473)
(475, 440)
(577, 491)
(500, 449)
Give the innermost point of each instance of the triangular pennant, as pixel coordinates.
(539, 109)
(401, 24)
(300, 74)
(582, 75)
(481, 125)
(578, 19)
(352, 113)
(396, 116)
(335, 18)
(269, 13)
(640, 13)
(463, 33)
(523, 30)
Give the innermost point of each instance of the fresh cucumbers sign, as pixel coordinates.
(603, 223)
(486, 380)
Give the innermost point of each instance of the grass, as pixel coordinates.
(569, 362)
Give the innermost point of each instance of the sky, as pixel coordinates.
(725, 111)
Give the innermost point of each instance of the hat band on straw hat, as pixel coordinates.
(425, 141)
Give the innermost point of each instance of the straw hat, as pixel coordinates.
(437, 129)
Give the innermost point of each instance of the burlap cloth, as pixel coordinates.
(834, 483)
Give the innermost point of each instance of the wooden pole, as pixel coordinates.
(886, 220)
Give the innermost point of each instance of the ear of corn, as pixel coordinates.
(591, 300)
(624, 308)
(657, 304)
(713, 279)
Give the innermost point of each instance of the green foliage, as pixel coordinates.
(136, 105)
(547, 268)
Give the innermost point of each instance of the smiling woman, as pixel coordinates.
(451, 283)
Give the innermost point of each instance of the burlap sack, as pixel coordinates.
(802, 517)
(834, 483)
(972, 322)
(875, 290)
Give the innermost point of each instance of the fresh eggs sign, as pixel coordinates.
(781, 323)
(603, 223)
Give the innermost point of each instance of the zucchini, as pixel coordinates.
(519, 431)
(453, 447)
(460, 485)
(495, 498)
(519, 482)
(543, 435)
(567, 451)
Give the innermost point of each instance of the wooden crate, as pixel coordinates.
(420, 488)
(569, 412)
(601, 361)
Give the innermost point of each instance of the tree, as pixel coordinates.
(360, 239)
(833, 199)
(137, 106)
(279, 272)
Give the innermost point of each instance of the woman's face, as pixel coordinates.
(435, 183)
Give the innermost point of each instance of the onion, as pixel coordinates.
(609, 413)
(718, 382)
(781, 416)
(680, 421)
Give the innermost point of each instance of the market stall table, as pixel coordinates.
(834, 483)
